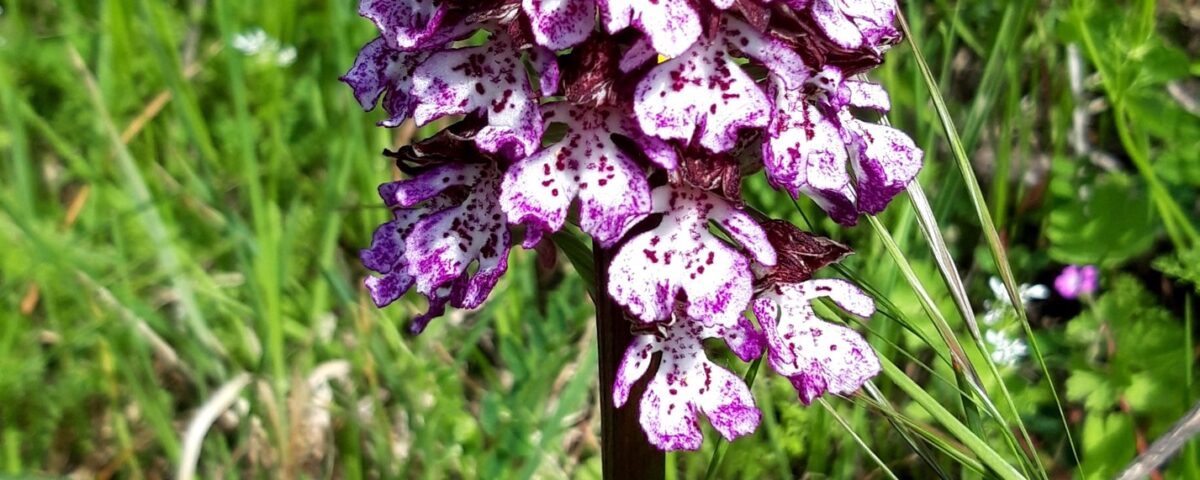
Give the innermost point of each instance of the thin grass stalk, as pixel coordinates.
(903, 430)
(963, 368)
(957, 355)
(147, 213)
(973, 442)
(938, 439)
(988, 227)
(945, 263)
(870, 453)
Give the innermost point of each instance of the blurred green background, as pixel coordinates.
(185, 187)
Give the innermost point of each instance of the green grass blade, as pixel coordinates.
(866, 448)
(151, 219)
(973, 442)
(958, 291)
(985, 219)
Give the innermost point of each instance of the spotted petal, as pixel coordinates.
(856, 23)
(817, 356)
(386, 253)
(612, 189)
(688, 383)
(638, 54)
(680, 255)
(405, 24)
(885, 160)
(704, 96)
(443, 245)
(489, 79)
(545, 64)
(868, 95)
(804, 154)
(671, 25)
(380, 71)
(559, 24)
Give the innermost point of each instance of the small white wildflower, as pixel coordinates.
(252, 42)
(256, 43)
(1005, 350)
(1027, 292)
(993, 316)
(285, 56)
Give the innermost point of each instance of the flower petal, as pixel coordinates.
(612, 189)
(637, 55)
(404, 24)
(545, 63)
(817, 356)
(671, 25)
(680, 255)
(703, 95)
(781, 59)
(489, 79)
(633, 366)
(431, 183)
(388, 288)
(386, 253)
(559, 24)
(854, 24)
(868, 95)
(380, 71)
(804, 153)
(437, 308)
(834, 23)
(884, 160)
(441, 246)
(685, 384)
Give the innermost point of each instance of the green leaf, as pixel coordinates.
(1091, 388)
(579, 254)
(1106, 224)
(1106, 445)
(1184, 266)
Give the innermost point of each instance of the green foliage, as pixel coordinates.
(220, 237)
(1106, 221)
(1184, 266)
(1124, 360)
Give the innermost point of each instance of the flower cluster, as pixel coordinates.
(1077, 281)
(999, 320)
(648, 120)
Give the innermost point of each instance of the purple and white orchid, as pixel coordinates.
(653, 153)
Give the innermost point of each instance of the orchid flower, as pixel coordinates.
(640, 135)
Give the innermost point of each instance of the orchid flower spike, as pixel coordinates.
(637, 121)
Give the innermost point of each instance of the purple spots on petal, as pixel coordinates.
(817, 356)
(671, 26)
(559, 24)
(380, 71)
(445, 84)
(407, 24)
(436, 235)
(704, 96)
(655, 267)
(686, 384)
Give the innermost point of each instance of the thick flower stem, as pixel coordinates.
(625, 453)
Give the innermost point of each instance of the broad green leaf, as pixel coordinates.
(1106, 223)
